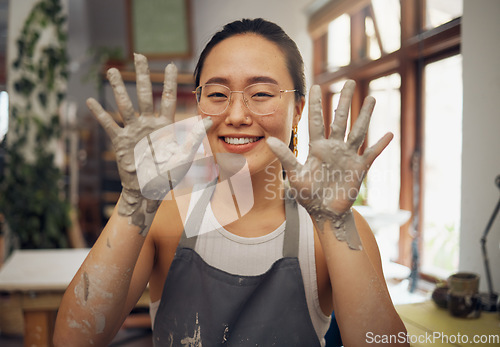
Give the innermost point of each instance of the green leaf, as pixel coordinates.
(24, 86)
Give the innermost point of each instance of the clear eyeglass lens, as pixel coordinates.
(260, 98)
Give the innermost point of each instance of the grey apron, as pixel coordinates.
(203, 305)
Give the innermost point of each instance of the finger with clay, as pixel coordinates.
(328, 183)
(139, 128)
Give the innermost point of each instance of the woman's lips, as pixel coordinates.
(240, 144)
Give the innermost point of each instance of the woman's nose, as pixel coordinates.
(237, 112)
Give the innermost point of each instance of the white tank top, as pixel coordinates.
(253, 256)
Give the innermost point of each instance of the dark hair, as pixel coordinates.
(269, 31)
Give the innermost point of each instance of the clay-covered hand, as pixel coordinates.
(329, 181)
(138, 129)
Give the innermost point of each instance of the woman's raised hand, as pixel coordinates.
(125, 139)
(329, 181)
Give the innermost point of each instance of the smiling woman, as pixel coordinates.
(272, 274)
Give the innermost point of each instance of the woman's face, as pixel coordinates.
(238, 62)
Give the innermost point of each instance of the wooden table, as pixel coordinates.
(39, 279)
(429, 325)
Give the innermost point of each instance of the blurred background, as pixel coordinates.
(432, 65)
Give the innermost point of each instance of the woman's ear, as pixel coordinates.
(299, 108)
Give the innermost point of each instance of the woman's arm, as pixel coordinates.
(327, 185)
(103, 291)
(361, 301)
(115, 273)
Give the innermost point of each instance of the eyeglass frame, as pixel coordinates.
(245, 101)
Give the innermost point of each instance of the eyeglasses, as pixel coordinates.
(261, 99)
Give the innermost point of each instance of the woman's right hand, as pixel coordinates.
(125, 139)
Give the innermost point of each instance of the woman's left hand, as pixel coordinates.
(329, 181)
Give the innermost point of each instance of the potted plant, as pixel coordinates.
(31, 194)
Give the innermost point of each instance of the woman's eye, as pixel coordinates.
(262, 95)
(217, 96)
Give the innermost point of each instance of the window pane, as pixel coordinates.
(383, 193)
(339, 42)
(441, 11)
(442, 165)
(388, 18)
(374, 51)
(383, 179)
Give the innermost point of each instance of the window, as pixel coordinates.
(384, 175)
(383, 179)
(442, 165)
(339, 53)
(407, 55)
(439, 12)
(387, 15)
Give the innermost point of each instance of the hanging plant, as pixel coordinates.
(31, 190)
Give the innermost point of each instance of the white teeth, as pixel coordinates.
(240, 140)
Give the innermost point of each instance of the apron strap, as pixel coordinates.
(292, 228)
(292, 225)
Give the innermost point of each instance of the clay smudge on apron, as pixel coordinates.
(194, 341)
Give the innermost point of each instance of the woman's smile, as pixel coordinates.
(240, 143)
